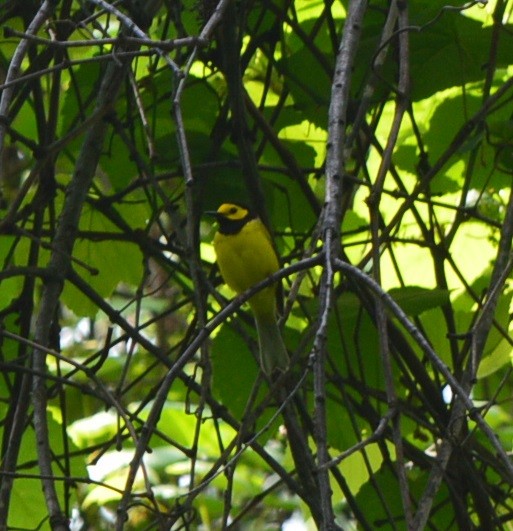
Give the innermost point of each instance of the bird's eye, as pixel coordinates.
(233, 210)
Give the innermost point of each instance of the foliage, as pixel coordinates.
(130, 385)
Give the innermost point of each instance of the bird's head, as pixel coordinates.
(232, 211)
(232, 217)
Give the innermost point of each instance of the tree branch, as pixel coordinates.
(335, 164)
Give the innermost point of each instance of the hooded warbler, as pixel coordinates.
(246, 256)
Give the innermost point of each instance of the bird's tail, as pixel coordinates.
(273, 353)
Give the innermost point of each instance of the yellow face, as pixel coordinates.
(232, 212)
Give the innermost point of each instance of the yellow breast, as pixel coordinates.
(247, 258)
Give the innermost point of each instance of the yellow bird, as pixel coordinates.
(245, 256)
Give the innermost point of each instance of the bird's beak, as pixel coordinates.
(212, 213)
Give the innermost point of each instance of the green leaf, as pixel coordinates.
(338, 421)
(287, 215)
(10, 286)
(114, 261)
(460, 44)
(311, 96)
(501, 132)
(497, 351)
(234, 376)
(28, 507)
(435, 328)
(351, 321)
(234, 370)
(498, 358)
(415, 300)
(381, 498)
(85, 81)
(355, 470)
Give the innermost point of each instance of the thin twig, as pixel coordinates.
(373, 202)
(165, 45)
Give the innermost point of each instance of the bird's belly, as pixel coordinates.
(242, 267)
(247, 257)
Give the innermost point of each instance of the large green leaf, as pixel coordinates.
(381, 498)
(79, 96)
(113, 261)
(234, 370)
(311, 96)
(459, 43)
(28, 507)
(10, 286)
(415, 300)
(234, 377)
